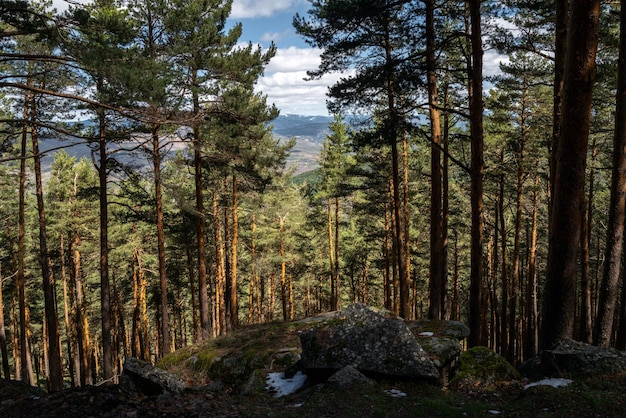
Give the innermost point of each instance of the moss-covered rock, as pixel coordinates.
(482, 367)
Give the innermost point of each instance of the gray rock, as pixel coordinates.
(349, 376)
(140, 377)
(569, 358)
(374, 344)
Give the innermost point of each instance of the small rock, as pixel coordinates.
(349, 376)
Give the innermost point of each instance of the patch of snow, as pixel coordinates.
(281, 386)
(426, 334)
(494, 412)
(554, 382)
(395, 393)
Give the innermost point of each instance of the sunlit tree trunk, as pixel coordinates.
(233, 311)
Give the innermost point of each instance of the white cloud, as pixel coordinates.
(243, 9)
(285, 85)
(491, 62)
(63, 5)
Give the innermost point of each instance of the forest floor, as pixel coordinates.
(594, 397)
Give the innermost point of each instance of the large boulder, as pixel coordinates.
(140, 377)
(369, 341)
(569, 358)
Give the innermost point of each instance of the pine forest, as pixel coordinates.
(440, 192)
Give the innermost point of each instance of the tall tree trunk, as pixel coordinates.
(437, 274)
(561, 22)
(232, 280)
(336, 256)
(387, 279)
(20, 279)
(55, 369)
(67, 302)
(105, 292)
(3, 336)
(220, 275)
(391, 133)
(517, 233)
(506, 288)
(531, 340)
(586, 321)
(203, 296)
(617, 208)
(405, 205)
(156, 161)
(283, 271)
(253, 287)
(331, 257)
(564, 241)
(476, 311)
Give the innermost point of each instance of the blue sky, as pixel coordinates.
(265, 21)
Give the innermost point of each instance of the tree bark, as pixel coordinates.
(3, 337)
(437, 274)
(55, 369)
(232, 280)
(105, 291)
(476, 311)
(617, 209)
(20, 279)
(156, 161)
(568, 198)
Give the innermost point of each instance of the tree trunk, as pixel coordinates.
(331, 257)
(20, 279)
(564, 240)
(156, 161)
(105, 292)
(506, 288)
(336, 256)
(437, 274)
(617, 209)
(531, 339)
(203, 295)
(232, 280)
(407, 224)
(253, 287)
(586, 322)
(55, 369)
(517, 233)
(562, 12)
(476, 311)
(3, 337)
(283, 271)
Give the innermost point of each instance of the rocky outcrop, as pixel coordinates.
(369, 341)
(140, 377)
(570, 359)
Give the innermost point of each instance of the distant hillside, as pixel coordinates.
(309, 132)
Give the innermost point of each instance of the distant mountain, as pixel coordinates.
(307, 128)
(309, 132)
